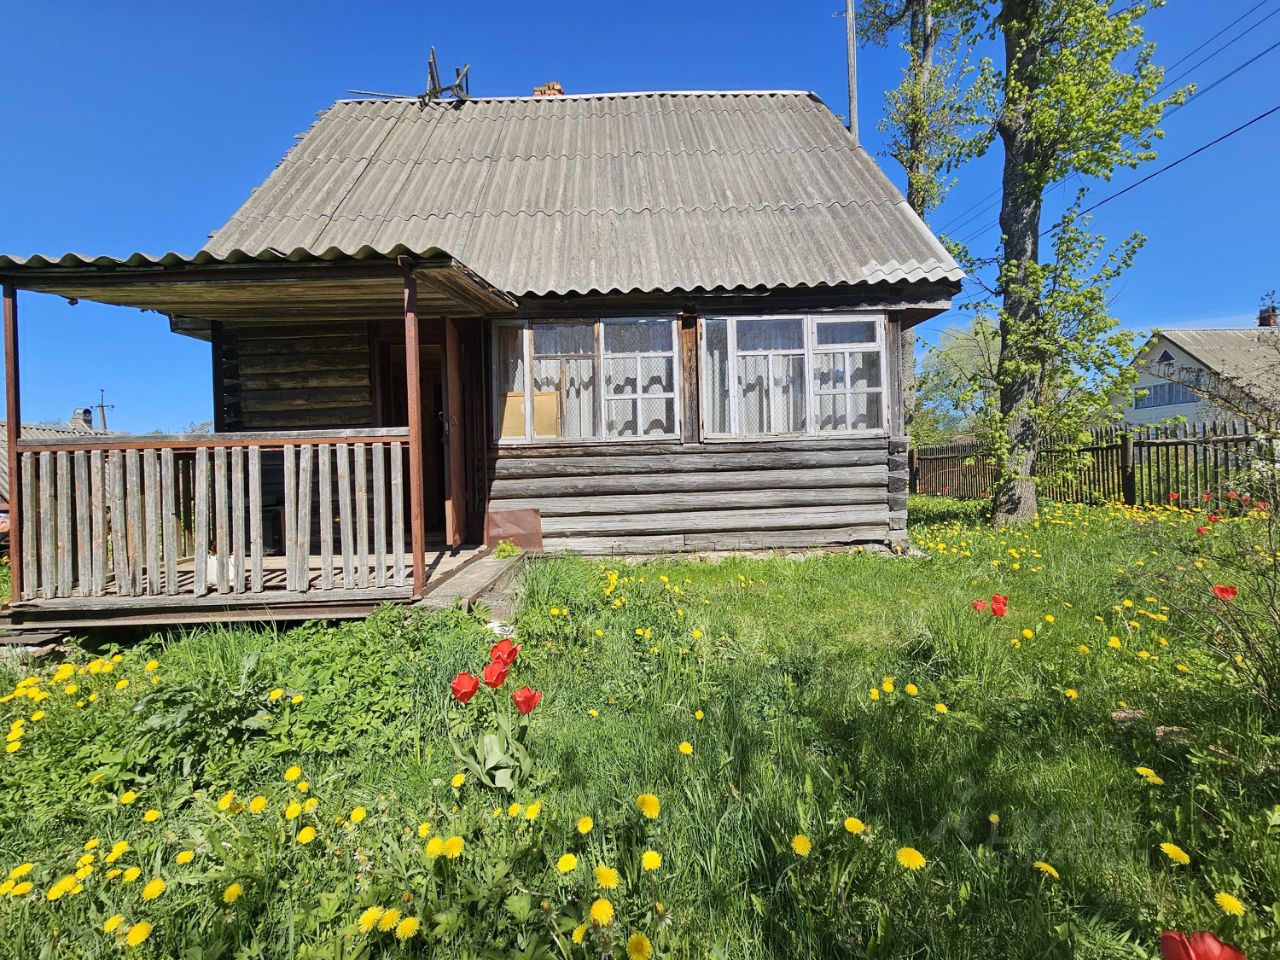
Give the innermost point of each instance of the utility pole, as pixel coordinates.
(103, 407)
(851, 38)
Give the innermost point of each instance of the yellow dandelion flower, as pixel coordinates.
(407, 928)
(1027, 634)
(1231, 906)
(649, 805)
(875, 693)
(303, 786)
(1175, 853)
(113, 921)
(639, 947)
(306, 835)
(1071, 693)
(424, 830)
(357, 815)
(801, 845)
(993, 817)
(138, 933)
(453, 847)
(602, 912)
(152, 666)
(132, 874)
(185, 856)
(118, 850)
(1049, 618)
(1082, 648)
(225, 801)
(153, 889)
(911, 689)
(369, 919)
(22, 889)
(293, 773)
(1113, 643)
(686, 748)
(579, 933)
(533, 810)
(388, 920)
(567, 864)
(887, 685)
(20, 871)
(606, 877)
(585, 824)
(458, 780)
(909, 858)
(293, 810)
(435, 847)
(151, 816)
(854, 825)
(275, 694)
(232, 893)
(128, 797)
(941, 708)
(258, 804)
(1046, 868)
(651, 860)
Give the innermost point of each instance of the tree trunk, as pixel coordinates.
(1020, 369)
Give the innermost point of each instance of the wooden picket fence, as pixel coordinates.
(1132, 465)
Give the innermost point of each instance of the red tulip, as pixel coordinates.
(1225, 594)
(1213, 518)
(1176, 945)
(526, 699)
(464, 686)
(999, 605)
(494, 674)
(1232, 495)
(1202, 529)
(504, 652)
(1206, 497)
(980, 606)
(1172, 495)
(1262, 505)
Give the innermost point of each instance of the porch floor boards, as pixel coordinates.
(274, 602)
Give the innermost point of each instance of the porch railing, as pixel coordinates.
(214, 514)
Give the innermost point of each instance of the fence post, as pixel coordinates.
(913, 479)
(1128, 470)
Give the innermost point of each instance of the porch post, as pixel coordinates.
(13, 431)
(455, 506)
(413, 379)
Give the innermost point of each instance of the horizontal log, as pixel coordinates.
(320, 330)
(319, 380)
(285, 366)
(304, 398)
(716, 521)
(761, 480)
(739, 540)
(759, 460)
(662, 502)
(353, 418)
(627, 448)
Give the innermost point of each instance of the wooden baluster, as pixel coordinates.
(362, 517)
(378, 451)
(30, 529)
(290, 516)
(200, 584)
(344, 516)
(66, 571)
(84, 525)
(325, 479)
(237, 520)
(169, 519)
(221, 521)
(151, 527)
(48, 543)
(303, 528)
(255, 517)
(397, 510)
(101, 532)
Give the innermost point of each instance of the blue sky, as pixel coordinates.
(145, 129)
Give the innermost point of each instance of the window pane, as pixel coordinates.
(864, 370)
(829, 371)
(657, 375)
(753, 396)
(510, 377)
(620, 418)
(770, 334)
(831, 413)
(564, 398)
(845, 331)
(657, 416)
(787, 395)
(716, 343)
(639, 335)
(564, 339)
(864, 411)
(619, 376)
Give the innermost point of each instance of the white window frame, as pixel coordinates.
(811, 347)
(598, 324)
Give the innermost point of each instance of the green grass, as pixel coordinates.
(780, 656)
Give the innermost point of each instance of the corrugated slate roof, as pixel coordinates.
(597, 193)
(1250, 356)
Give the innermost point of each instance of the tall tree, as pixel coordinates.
(1075, 96)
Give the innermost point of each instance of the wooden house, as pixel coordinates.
(608, 323)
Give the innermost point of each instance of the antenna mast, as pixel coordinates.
(851, 39)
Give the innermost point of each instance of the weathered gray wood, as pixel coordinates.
(31, 526)
(197, 440)
(324, 467)
(169, 519)
(716, 521)
(119, 523)
(758, 480)
(302, 576)
(658, 502)
(597, 449)
(237, 520)
(133, 510)
(397, 513)
(255, 518)
(740, 540)
(84, 524)
(290, 518)
(151, 524)
(344, 517)
(362, 517)
(66, 539)
(378, 452)
(98, 484)
(570, 466)
(221, 522)
(200, 581)
(48, 543)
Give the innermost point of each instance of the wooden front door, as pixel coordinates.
(392, 404)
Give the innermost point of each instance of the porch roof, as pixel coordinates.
(301, 285)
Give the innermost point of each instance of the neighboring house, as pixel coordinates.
(1205, 375)
(79, 426)
(607, 323)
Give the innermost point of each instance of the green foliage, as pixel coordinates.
(506, 549)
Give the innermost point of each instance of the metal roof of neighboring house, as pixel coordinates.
(34, 431)
(1250, 356)
(596, 193)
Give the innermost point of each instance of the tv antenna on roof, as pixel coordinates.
(459, 90)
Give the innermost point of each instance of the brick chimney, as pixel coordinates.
(1267, 316)
(81, 419)
(551, 88)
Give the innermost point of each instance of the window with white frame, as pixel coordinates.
(560, 380)
(793, 375)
